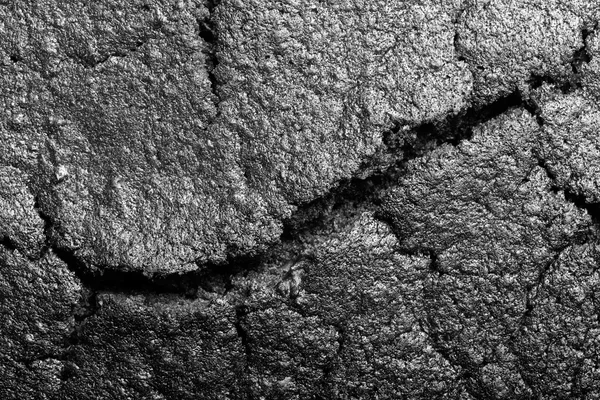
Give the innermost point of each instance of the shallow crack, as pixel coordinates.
(578, 200)
(530, 295)
(466, 373)
(241, 311)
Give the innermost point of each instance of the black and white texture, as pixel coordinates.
(300, 199)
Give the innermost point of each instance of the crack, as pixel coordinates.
(457, 47)
(566, 86)
(213, 278)
(208, 32)
(402, 144)
(532, 291)
(210, 277)
(241, 311)
(577, 199)
(349, 196)
(334, 363)
(582, 55)
(456, 22)
(593, 209)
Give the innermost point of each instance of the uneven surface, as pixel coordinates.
(299, 199)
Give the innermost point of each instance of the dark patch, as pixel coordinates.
(565, 86)
(593, 209)
(434, 264)
(15, 58)
(457, 47)
(8, 243)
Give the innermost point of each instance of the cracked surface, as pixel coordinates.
(299, 200)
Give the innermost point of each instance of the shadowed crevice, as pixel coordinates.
(208, 32)
(402, 146)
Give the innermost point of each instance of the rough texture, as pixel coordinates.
(499, 227)
(310, 86)
(39, 305)
(108, 108)
(299, 199)
(507, 43)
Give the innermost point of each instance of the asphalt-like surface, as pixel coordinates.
(300, 199)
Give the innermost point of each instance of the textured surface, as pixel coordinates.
(299, 199)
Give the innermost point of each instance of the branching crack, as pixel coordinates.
(404, 142)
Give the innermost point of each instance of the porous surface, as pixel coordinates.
(299, 199)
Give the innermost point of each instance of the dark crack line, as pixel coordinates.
(359, 193)
(209, 34)
(578, 200)
(91, 61)
(212, 278)
(241, 312)
(352, 195)
(539, 284)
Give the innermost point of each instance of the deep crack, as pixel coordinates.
(209, 34)
(350, 196)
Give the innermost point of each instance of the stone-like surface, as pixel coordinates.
(506, 43)
(345, 320)
(144, 141)
(38, 303)
(571, 144)
(156, 348)
(20, 225)
(496, 225)
(310, 86)
(107, 108)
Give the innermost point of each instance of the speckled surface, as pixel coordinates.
(299, 199)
